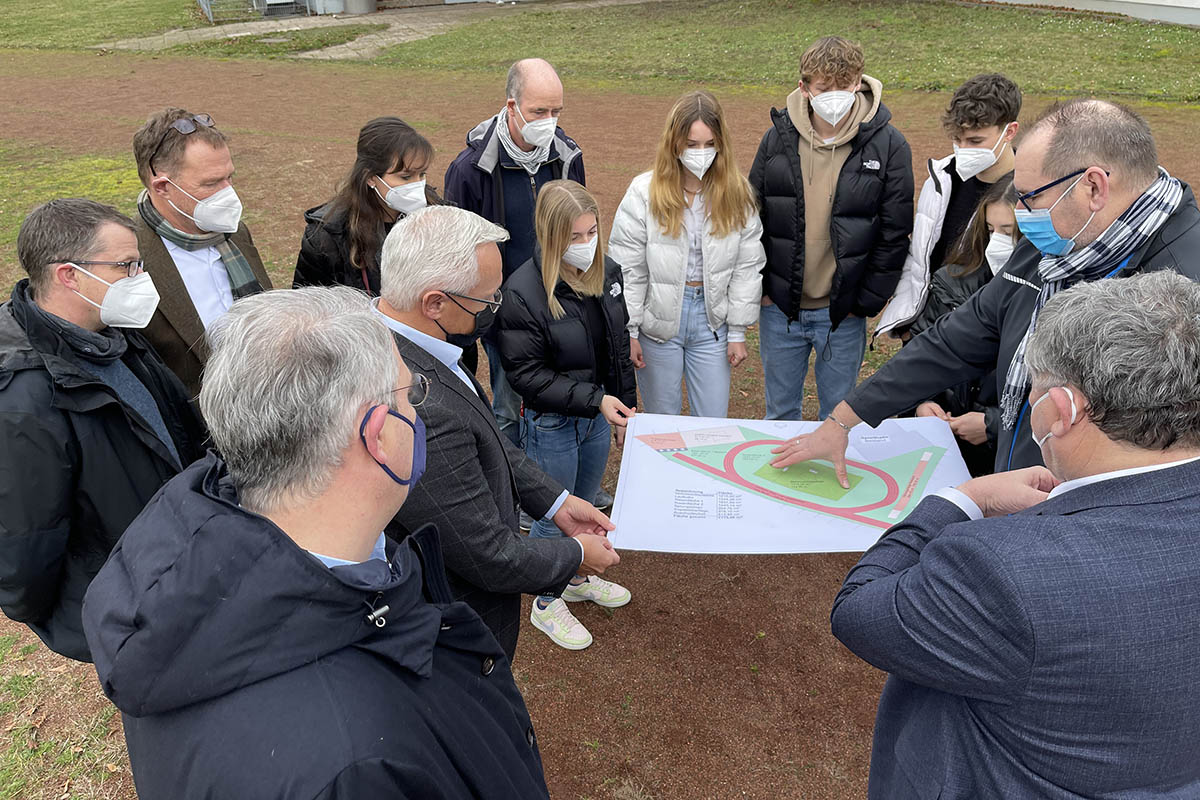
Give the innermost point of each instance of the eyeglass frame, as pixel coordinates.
(420, 383)
(185, 126)
(132, 268)
(1021, 198)
(494, 304)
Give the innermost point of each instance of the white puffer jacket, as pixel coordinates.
(655, 270)
(913, 288)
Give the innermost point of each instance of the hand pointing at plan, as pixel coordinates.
(828, 442)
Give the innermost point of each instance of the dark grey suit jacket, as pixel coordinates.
(1053, 653)
(176, 331)
(474, 480)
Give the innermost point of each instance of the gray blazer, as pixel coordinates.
(1052, 653)
(474, 480)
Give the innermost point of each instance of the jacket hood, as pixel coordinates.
(485, 143)
(202, 597)
(867, 104)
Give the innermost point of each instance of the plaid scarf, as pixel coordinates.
(241, 278)
(531, 161)
(1122, 239)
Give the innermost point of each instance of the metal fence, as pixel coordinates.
(219, 11)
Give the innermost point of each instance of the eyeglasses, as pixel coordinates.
(418, 390)
(494, 303)
(131, 268)
(1022, 198)
(185, 126)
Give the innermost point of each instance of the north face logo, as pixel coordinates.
(872, 164)
(615, 290)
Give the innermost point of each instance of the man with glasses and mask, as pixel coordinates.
(1039, 626)
(441, 274)
(191, 235)
(1094, 205)
(261, 635)
(92, 422)
(507, 160)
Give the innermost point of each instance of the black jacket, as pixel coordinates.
(551, 362)
(947, 292)
(245, 668)
(872, 216)
(983, 334)
(76, 466)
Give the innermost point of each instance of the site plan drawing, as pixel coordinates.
(695, 485)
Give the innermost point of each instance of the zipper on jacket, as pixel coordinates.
(377, 615)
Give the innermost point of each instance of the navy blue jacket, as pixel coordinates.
(484, 180)
(246, 668)
(1052, 653)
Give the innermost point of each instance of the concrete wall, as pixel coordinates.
(1184, 12)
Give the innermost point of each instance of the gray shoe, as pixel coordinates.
(603, 500)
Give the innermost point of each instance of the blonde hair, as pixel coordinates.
(559, 204)
(833, 58)
(730, 201)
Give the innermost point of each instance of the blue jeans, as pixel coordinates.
(572, 451)
(785, 349)
(694, 355)
(506, 403)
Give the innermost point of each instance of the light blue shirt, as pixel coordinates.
(377, 552)
(449, 355)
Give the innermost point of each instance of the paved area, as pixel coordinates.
(404, 25)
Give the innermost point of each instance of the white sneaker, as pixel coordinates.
(599, 591)
(557, 622)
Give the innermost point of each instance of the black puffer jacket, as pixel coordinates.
(551, 362)
(872, 216)
(76, 466)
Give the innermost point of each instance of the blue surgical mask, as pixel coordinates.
(1039, 228)
(1036, 440)
(418, 449)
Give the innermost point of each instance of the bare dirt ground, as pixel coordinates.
(721, 679)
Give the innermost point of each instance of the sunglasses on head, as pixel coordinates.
(184, 126)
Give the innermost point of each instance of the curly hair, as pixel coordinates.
(833, 58)
(982, 102)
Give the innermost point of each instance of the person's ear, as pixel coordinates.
(158, 185)
(433, 304)
(1011, 134)
(65, 275)
(1069, 414)
(372, 433)
(511, 105)
(1096, 184)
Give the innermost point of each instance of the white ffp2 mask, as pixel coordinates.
(128, 303)
(970, 161)
(220, 212)
(405, 198)
(697, 160)
(832, 106)
(999, 250)
(540, 132)
(581, 254)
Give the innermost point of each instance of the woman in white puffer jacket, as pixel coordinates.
(687, 237)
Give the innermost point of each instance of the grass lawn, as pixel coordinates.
(909, 45)
(268, 45)
(68, 24)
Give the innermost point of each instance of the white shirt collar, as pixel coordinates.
(1067, 486)
(443, 351)
(377, 552)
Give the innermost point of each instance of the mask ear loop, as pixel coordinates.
(362, 434)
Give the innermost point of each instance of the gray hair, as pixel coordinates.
(433, 248)
(1086, 133)
(1133, 347)
(514, 85)
(60, 231)
(283, 389)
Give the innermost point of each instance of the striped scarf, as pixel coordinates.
(1122, 239)
(241, 277)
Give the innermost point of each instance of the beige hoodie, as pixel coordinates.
(820, 163)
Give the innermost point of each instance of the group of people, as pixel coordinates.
(286, 525)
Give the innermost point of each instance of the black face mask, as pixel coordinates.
(483, 321)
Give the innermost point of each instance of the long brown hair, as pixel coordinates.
(730, 201)
(385, 144)
(969, 252)
(559, 204)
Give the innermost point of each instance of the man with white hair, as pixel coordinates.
(261, 635)
(507, 160)
(1094, 204)
(1040, 625)
(440, 272)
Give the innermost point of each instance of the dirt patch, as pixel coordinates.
(721, 678)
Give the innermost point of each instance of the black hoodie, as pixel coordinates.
(245, 668)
